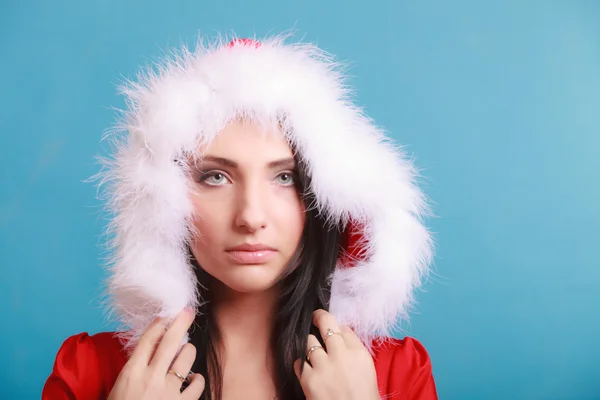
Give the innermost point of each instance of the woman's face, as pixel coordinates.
(248, 212)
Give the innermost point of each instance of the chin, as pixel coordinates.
(249, 278)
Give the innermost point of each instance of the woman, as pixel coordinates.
(266, 239)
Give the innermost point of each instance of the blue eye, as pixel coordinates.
(286, 179)
(213, 179)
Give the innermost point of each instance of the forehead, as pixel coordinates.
(243, 140)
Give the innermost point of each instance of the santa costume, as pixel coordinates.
(362, 182)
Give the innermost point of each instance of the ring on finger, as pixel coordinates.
(177, 374)
(312, 348)
(330, 332)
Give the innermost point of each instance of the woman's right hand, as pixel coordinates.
(146, 374)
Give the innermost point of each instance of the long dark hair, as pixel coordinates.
(305, 287)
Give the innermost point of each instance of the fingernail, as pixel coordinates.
(190, 310)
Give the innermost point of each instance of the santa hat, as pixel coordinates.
(361, 180)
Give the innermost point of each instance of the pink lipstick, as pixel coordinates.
(249, 254)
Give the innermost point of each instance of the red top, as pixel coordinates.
(87, 367)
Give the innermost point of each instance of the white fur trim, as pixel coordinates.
(357, 174)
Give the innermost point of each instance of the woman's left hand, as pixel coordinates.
(342, 369)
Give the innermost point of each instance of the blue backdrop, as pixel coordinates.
(499, 103)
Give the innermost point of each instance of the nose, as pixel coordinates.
(251, 214)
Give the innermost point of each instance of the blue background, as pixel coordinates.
(498, 101)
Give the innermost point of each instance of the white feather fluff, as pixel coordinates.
(357, 174)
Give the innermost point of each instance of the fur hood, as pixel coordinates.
(361, 180)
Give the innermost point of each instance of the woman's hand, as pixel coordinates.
(344, 370)
(148, 374)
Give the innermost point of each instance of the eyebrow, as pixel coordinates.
(284, 162)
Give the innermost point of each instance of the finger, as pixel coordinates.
(195, 388)
(302, 370)
(318, 356)
(169, 344)
(182, 365)
(350, 337)
(147, 343)
(325, 321)
(297, 365)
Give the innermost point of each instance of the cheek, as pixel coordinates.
(290, 213)
(208, 222)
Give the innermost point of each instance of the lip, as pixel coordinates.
(251, 254)
(251, 247)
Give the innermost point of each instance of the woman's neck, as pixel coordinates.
(245, 321)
